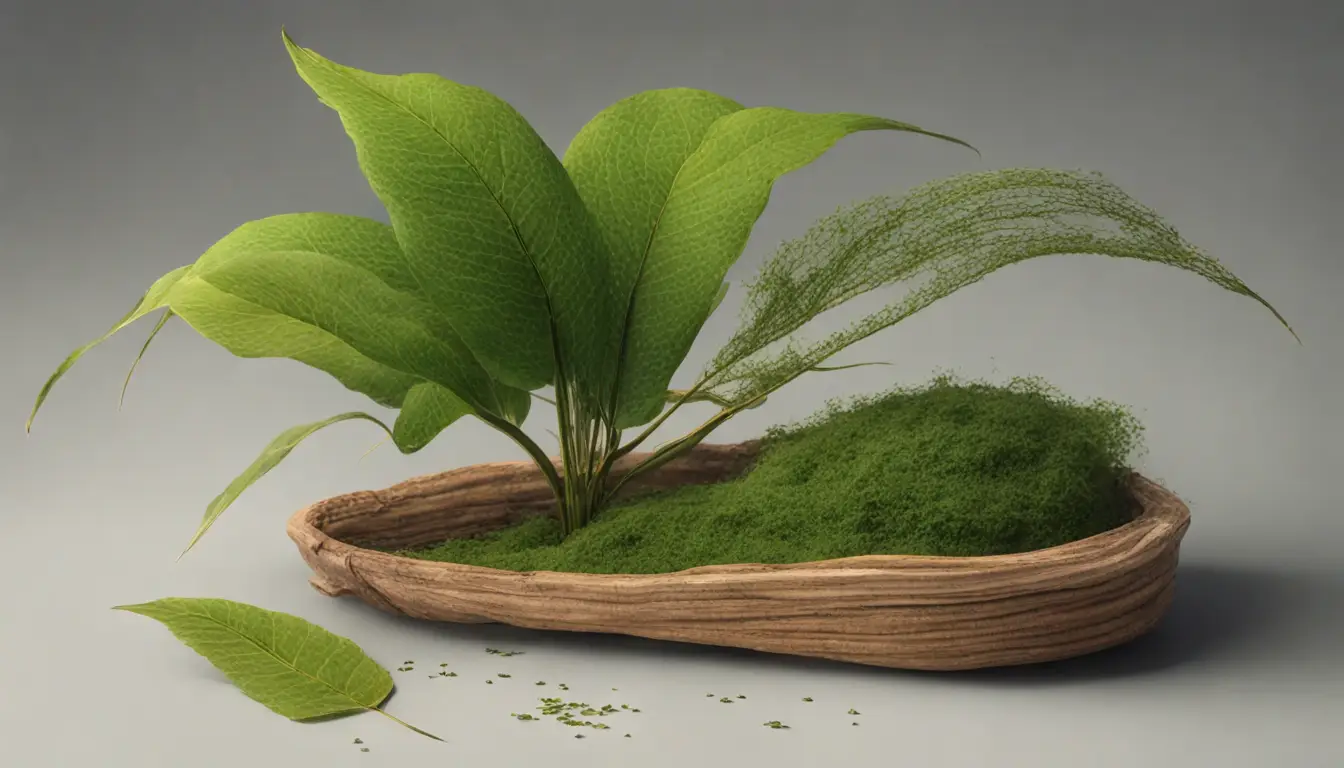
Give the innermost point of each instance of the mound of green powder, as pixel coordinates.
(946, 469)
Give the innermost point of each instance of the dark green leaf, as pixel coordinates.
(488, 220)
(704, 216)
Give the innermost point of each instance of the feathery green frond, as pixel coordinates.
(945, 235)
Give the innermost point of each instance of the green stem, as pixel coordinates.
(639, 439)
(533, 450)
(675, 448)
(399, 721)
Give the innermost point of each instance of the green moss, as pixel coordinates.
(950, 468)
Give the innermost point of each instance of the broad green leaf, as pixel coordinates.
(941, 238)
(703, 224)
(490, 224)
(342, 275)
(624, 161)
(428, 410)
(291, 666)
(514, 404)
(328, 291)
(249, 330)
(270, 456)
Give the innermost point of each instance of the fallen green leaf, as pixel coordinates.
(293, 667)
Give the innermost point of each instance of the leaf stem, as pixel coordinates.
(533, 450)
(675, 448)
(401, 722)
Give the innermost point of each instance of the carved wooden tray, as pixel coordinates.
(934, 613)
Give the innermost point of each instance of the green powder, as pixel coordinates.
(950, 468)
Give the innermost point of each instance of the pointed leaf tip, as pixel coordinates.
(270, 456)
(163, 320)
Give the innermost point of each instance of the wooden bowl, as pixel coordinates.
(932, 613)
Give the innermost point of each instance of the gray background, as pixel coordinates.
(134, 134)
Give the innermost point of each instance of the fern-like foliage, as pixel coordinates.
(940, 238)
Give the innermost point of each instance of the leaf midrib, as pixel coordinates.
(513, 225)
(332, 339)
(644, 260)
(409, 298)
(658, 220)
(290, 665)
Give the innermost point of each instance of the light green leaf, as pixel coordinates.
(490, 224)
(428, 410)
(326, 290)
(702, 226)
(155, 298)
(163, 320)
(249, 330)
(940, 237)
(292, 666)
(343, 276)
(270, 456)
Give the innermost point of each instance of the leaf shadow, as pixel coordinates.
(1219, 612)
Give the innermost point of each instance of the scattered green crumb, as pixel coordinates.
(358, 740)
(625, 706)
(774, 724)
(363, 749)
(634, 710)
(725, 700)
(408, 662)
(949, 468)
(578, 735)
(853, 723)
(627, 735)
(807, 698)
(740, 696)
(709, 695)
(854, 712)
(444, 664)
(540, 682)
(489, 682)
(501, 674)
(498, 652)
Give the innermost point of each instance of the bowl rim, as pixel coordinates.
(1162, 517)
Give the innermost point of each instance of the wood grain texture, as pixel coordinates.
(932, 613)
